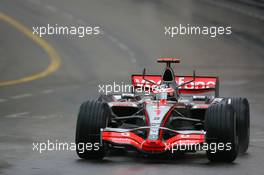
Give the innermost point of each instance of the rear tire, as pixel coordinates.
(241, 107)
(93, 116)
(220, 126)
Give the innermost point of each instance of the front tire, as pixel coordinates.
(93, 115)
(220, 126)
(241, 107)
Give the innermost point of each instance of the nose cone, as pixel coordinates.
(153, 146)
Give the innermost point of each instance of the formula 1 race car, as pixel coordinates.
(180, 113)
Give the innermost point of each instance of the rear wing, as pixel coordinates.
(202, 84)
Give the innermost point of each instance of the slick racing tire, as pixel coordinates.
(93, 116)
(241, 107)
(220, 127)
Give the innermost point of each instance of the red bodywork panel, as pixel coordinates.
(202, 84)
(129, 138)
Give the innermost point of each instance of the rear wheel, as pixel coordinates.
(220, 126)
(241, 107)
(93, 115)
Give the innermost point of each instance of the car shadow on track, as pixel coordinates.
(127, 158)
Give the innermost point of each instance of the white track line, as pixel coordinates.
(15, 115)
(2, 100)
(47, 91)
(51, 8)
(80, 21)
(120, 44)
(49, 116)
(236, 9)
(256, 140)
(26, 95)
(68, 15)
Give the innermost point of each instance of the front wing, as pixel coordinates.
(120, 136)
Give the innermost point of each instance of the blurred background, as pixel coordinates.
(37, 108)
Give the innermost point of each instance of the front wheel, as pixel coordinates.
(220, 127)
(93, 115)
(241, 107)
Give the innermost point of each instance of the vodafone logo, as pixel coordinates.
(196, 84)
(199, 83)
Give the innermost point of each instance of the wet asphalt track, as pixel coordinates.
(133, 38)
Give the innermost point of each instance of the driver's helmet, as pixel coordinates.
(163, 92)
